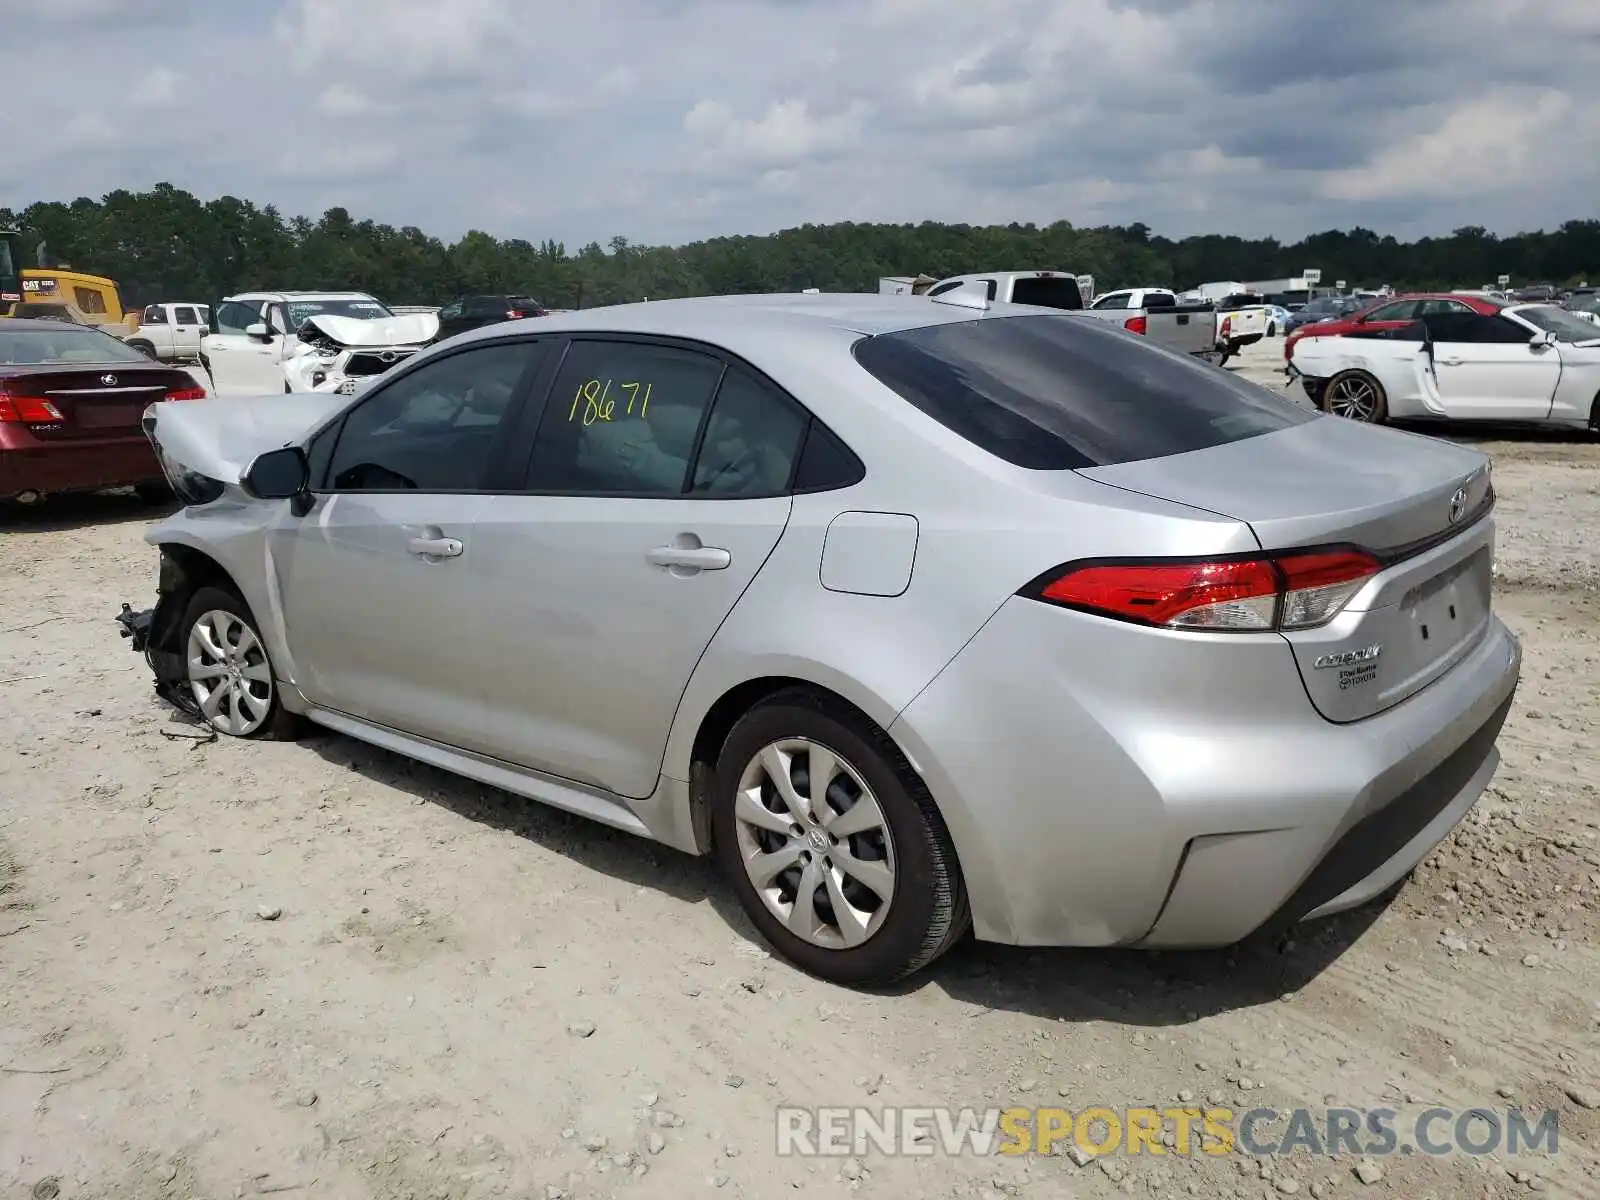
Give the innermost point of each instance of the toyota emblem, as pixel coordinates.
(109, 380)
(1458, 505)
(387, 356)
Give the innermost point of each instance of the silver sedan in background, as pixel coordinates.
(921, 614)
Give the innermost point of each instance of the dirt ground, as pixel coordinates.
(463, 995)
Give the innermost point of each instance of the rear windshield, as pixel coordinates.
(1055, 393)
(1047, 293)
(56, 344)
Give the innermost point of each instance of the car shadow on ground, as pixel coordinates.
(1133, 987)
(57, 514)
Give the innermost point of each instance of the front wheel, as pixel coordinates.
(1356, 396)
(1272, 330)
(833, 845)
(227, 669)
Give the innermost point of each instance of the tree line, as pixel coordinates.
(167, 244)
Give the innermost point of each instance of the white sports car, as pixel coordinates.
(1524, 362)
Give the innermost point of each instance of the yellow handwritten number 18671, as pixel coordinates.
(595, 397)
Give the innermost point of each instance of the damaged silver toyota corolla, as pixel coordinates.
(919, 615)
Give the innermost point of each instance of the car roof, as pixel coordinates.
(742, 323)
(300, 296)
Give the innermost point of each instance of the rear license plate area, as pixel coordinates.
(1450, 607)
(119, 415)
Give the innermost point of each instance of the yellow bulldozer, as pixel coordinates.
(57, 292)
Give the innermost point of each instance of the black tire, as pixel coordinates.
(158, 494)
(278, 724)
(1376, 414)
(143, 347)
(1272, 329)
(928, 910)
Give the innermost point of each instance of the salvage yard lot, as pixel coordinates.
(318, 969)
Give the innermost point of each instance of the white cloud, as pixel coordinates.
(665, 120)
(1485, 143)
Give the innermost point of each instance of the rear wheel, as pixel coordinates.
(154, 493)
(1272, 329)
(227, 668)
(143, 347)
(832, 844)
(1356, 396)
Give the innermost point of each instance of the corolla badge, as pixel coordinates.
(109, 380)
(1458, 505)
(1348, 658)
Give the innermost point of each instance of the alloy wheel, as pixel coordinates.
(815, 843)
(1353, 398)
(228, 673)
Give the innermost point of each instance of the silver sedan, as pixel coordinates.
(921, 614)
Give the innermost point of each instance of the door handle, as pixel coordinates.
(1450, 362)
(691, 558)
(436, 547)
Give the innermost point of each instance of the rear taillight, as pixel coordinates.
(27, 410)
(513, 314)
(190, 393)
(1134, 324)
(1297, 590)
(1227, 326)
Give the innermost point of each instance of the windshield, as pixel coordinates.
(1560, 322)
(300, 311)
(44, 344)
(1589, 302)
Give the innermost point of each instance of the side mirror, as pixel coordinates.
(259, 331)
(277, 475)
(1542, 339)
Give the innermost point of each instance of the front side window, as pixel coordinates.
(435, 428)
(1052, 392)
(1472, 328)
(235, 316)
(1114, 300)
(1402, 310)
(622, 419)
(751, 441)
(154, 315)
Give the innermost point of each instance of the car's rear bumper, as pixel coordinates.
(1107, 784)
(80, 465)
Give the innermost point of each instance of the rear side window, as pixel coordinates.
(1047, 293)
(1056, 393)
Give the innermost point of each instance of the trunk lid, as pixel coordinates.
(95, 401)
(1418, 503)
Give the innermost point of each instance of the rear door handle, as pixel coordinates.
(1450, 362)
(436, 547)
(692, 558)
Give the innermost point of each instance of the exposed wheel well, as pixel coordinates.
(184, 571)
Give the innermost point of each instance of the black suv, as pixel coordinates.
(473, 312)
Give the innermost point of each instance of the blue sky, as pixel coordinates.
(670, 120)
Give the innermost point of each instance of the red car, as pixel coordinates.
(1395, 313)
(71, 400)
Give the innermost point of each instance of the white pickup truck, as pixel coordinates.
(1187, 328)
(170, 331)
